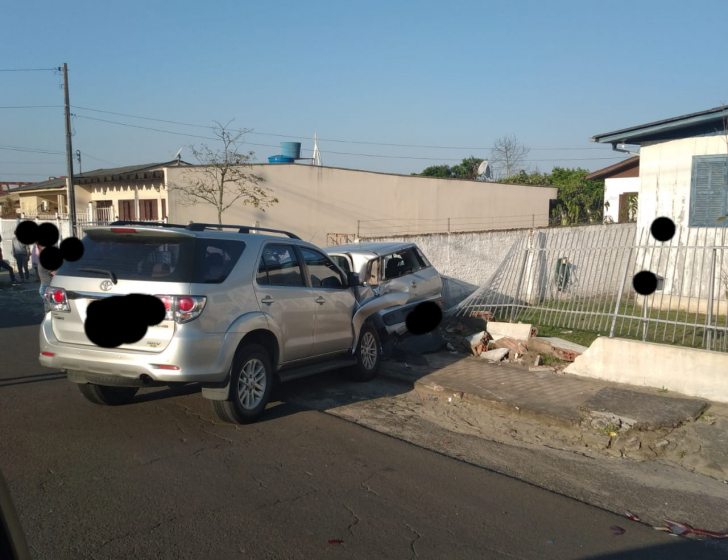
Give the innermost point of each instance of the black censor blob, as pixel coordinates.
(47, 234)
(644, 283)
(27, 232)
(663, 229)
(117, 320)
(51, 258)
(424, 318)
(71, 248)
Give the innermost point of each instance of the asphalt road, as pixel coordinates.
(161, 478)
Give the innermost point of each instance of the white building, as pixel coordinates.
(621, 186)
(683, 168)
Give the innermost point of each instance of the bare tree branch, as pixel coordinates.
(509, 153)
(226, 176)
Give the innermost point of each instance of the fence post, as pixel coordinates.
(711, 290)
(520, 277)
(621, 291)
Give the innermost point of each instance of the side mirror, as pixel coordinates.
(352, 278)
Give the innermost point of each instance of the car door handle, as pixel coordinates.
(319, 300)
(267, 300)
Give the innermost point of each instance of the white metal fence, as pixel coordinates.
(582, 279)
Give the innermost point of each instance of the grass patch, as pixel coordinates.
(585, 338)
(662, 390)
(588, 318)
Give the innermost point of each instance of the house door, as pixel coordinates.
(126, 210)
(148, 210)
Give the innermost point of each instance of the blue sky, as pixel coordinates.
(426, 73)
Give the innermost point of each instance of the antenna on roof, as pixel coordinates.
(316, 159)
(485, 171)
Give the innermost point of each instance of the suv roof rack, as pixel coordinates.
(133, 223)
(195, 226)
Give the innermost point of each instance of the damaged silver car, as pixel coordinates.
(387, 267)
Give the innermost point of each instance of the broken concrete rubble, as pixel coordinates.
(495, 355)
(517, 331)
(515, 346)
(557, 347)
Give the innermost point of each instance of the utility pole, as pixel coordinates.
(69, 155)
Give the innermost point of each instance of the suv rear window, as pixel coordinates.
(156, 259)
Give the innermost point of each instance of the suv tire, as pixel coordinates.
(251, 372)
(105, 395)
(368, 355)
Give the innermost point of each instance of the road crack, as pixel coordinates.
(356, 520)
(414, 541)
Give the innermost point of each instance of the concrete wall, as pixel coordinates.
(665, 175)
(317, 201)
(698, 373)
(612, 189)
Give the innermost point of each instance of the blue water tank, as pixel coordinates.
(280, 159)
(291, 149)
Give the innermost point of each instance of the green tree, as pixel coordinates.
(443, 171)
(466, 169)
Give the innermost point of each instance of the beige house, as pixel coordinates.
(327, 205)
(136, 192)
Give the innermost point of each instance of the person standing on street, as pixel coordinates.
(45, 275)
(21, 252)
(5, 266)
(34, 256)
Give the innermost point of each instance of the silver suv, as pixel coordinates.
(244, 310)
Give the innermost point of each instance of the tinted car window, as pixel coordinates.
(156, 259)
(131, 257)
(322, 271)
(215, 259)
(279, 267)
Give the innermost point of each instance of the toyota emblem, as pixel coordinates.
(106, 285)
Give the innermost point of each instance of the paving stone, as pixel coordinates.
(495, 355)
(645, 411)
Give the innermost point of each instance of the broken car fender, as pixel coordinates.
(396, 296)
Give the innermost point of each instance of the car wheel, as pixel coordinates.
(105, 395)
(251, 383)
(368, 355)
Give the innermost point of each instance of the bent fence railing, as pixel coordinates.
(583, 280)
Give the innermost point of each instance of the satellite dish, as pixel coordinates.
(178, 154)
(484, 170)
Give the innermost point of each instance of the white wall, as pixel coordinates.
(665, 174)
(612, 189)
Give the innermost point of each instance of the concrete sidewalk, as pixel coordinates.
(557, 399)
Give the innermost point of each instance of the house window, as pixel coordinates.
(126, 210)
(148, 210)
(709, 191)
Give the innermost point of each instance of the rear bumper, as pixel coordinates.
(200, 358)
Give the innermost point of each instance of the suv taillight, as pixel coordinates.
(182, 309)
(56, 300)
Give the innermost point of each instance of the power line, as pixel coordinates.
(32, 162)
(28, 69)
(31, 150)
(33, 107)
(429, 158)
(293, 136)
